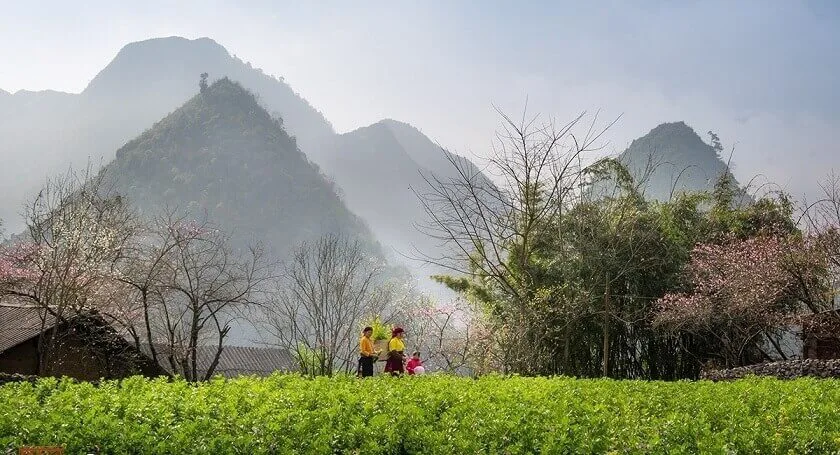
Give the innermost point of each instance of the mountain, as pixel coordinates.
(157, 71)
(374, 166)
(381, 169)
(144, 82)
(672, 158)
(222, 154)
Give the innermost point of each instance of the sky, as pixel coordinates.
(759, 73)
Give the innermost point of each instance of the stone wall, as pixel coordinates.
(7, 378)
(790, 369)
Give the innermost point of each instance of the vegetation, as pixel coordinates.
(579, 282)
(289, 414)
(221, 156)
(55, 130)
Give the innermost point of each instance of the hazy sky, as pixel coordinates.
(760, 73)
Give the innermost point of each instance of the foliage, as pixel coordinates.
(310, 360)
(381, 330)
(568, 274)
(741, 294)
(432, 414)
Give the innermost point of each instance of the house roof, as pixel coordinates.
(244, 360)
(236, 360)
(19, 323)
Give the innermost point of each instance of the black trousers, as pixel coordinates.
(366, 366)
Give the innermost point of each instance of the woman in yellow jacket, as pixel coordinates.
(367, 355)
(396, 353)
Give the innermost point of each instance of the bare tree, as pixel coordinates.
(76, 227)
(188, 285)
(446, 335)
(491, 228)
(819, 291)
(329, 287)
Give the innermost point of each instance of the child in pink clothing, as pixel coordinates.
(413, 363)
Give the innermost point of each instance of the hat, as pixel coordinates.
(397, 331)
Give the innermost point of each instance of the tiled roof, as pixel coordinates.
(237, 360)
(19, 323)
(243, 360)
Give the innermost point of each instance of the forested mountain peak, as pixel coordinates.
(673, 158)
(145, 81)
(222, 155)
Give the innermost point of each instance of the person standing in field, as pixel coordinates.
(396, 353)
(366, 353)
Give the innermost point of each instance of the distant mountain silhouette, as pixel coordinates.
(147, 80)
(144, 82)
(671, 159)
(382, 169)
(161, 70)
(222, 154)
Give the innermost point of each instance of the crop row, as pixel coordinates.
(291, 414)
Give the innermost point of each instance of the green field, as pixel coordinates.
(445, 415)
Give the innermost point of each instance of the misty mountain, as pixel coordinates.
(382, 169)
(221, 154)
(672, 158)
(157, 71)
(374, 166)
(144, 82)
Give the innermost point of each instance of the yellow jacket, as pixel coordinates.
(366, 347)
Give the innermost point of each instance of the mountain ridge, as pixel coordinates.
(148, 80)
(222, 154)
(672, 158)
(58, 129)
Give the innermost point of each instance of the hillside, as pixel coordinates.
(223, 154)
(380, 169)
(375, 167)
(145, 81)
(672, 158)
(161, 71)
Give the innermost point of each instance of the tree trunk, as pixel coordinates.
(567, 340)
(606, 328)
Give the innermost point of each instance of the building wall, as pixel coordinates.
(74, 358)
(21, 359)
(822, 348)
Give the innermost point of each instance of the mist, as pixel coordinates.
(759, 74)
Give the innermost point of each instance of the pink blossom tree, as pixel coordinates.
(76, 228)
(741, 293)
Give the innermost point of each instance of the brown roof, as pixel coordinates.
(19, 323)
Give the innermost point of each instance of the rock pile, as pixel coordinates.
(789, 369)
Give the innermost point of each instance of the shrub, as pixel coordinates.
(432, 414)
